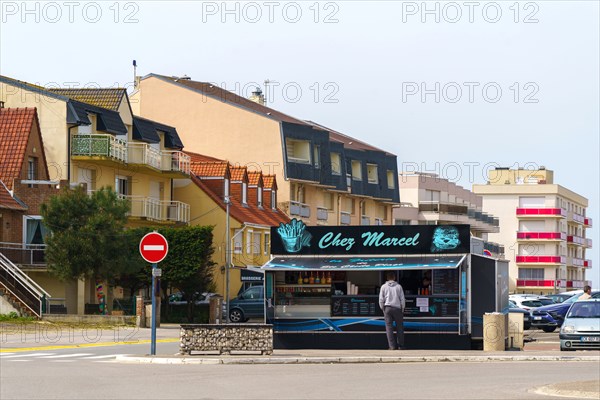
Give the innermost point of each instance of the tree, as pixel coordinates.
(86, 235)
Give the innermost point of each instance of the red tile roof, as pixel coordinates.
(238, 174)
(210, 169)
(15, 127)
(269, 182)
(7, 201)
(254, 178)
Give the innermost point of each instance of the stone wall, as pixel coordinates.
(226, 338)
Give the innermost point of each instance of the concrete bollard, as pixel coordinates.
(494, 331)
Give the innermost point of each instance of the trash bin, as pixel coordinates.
(494, 331)
(515, 331)
(215, 310)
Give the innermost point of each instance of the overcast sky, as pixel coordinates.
(449, 87)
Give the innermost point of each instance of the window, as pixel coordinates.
(531, 273)
(252, 294)
(298, 151)
(329, 200)
(372, 173)
(87, 176)
(260, 194)
(32, 168)
(248, 242)
(256, 243)
(297, 193)
(122, 185)
(363, 208)
(432, 195)
(244, 193)
(34, 231)
(274, 199)
(316, 156)
(402, 222)
(336, 164)
(356, 170)
(237, 242)
(390, 180)
(384, 211)
(267, 243)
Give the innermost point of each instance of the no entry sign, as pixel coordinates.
(154, 247)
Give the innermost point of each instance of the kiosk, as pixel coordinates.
(322, 285)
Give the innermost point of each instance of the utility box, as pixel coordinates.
(515, 331)
(215, 310)
(494, 331)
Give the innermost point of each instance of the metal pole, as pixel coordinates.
(153, 330)
(227, 259)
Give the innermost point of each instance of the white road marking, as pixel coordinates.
(5, 354)
(154, 247)
(62, 361)
(70, 355)
(19, 360)
(29, 355)
(104, 356)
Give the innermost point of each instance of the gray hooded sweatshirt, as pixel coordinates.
(391, 294)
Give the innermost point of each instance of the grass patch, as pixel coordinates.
(14, 318)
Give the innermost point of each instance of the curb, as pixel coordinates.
(340, 360)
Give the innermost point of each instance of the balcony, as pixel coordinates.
(364, 220)
(345, 218)
(442, 208)
(536, 283)
(571, 239)
(535, 236)
(100, 147)
(576, 284)
(588, 243)
(322, 214)
(298, 209)
(108, 149)
(572, 216)
(587, 222)
(541, 212)
(169, 212)
(540, 260)
(587, 263)
(25, 255)
(378, 221)
(575, 262)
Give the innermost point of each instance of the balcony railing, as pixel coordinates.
(576, 284)
(573, 216)
(541, 212)
(587, 263)
(299, 209)
(446, 208)
(322, 214)
(576, 262)
(536, 283)
(365, 220)
(24, 254)
(378, 221)
(345, 218)
(158, 210)
(541, 235)
(540, 259)
(588, 222)
(588, 243)
(576, 240)
(100, 145)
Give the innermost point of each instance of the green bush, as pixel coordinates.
(178, 314)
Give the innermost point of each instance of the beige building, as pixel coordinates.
(325, 177)
(543, 228)
(428, 199)
(91, 137)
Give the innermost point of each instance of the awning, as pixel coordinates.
(363, 263)
(252, 275)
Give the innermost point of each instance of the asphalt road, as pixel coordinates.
(76, 375)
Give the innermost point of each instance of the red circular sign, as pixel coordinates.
(154, 247)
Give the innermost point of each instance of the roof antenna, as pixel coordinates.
(134, 74)
(267, 82)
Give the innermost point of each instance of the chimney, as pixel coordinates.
(183, 78)
(257, 96)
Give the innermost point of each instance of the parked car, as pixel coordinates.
(548, 318)
(526, 303)
(581, 326)
(248, 304)
(559, 298)
(542, 299)
(178, 298)
(526, 316)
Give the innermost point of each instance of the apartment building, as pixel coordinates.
(543, 228)
(329, 178)
(92, 138)
(431, 200)
(252, 210)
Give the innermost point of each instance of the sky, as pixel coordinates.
(453, 88)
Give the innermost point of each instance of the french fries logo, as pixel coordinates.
(294, 236)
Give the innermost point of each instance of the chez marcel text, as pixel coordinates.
(375, 239)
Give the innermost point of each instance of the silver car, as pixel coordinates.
(581, 328)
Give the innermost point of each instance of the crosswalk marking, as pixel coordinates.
(104, 356)
(28, 355)
(69, 355)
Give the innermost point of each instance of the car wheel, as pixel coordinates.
(549, 329)
(236, 315)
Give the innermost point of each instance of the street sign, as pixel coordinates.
(157, 272)
(154, 247)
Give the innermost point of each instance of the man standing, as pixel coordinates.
(392, 302)
(587, 293)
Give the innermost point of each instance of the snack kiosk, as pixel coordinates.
(322, 285)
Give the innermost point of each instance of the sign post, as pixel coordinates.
(154, 249)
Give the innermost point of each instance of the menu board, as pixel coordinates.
(355, 306)
(431, 306)
(445, 281)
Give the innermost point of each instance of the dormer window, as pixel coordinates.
(260, 196)
(244, 193)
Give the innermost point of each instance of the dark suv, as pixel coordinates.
(249, 304)
(548, 318)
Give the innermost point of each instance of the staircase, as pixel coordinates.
(21, 291)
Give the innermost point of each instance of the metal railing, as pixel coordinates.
(345, 218)
(157, 210)
(365, 220)
(299, 209)
(322, 214)
(176, 161)
(24, 254)
(101, 145)
(440, 207)
(23, 288)
(143, 153)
